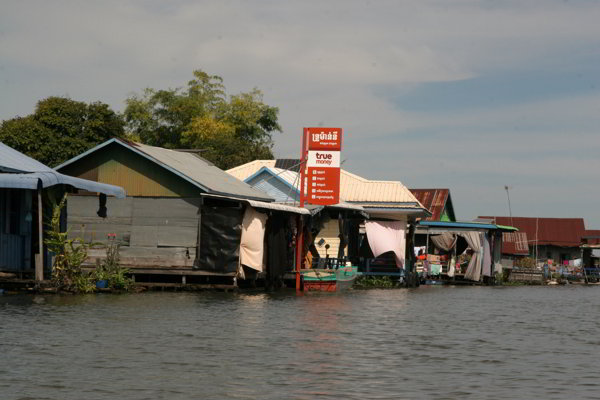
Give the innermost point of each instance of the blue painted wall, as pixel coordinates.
(274, 186)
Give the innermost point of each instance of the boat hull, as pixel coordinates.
(329, 280)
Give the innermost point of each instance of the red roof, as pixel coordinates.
(434, 200)
(592, 236)
(515, 243)
(562, 232)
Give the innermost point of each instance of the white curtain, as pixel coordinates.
(445, 241)
(384, 236)
(452, 266)
(253, 235)
(487, 257)
(475, 243)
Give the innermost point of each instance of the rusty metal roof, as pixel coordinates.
(435, 200)
(591, 236)
(562, 232)
(515, 243)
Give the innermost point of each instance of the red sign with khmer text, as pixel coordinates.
(323, 165)
(324, 138)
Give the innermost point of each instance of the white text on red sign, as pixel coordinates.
(324, 138)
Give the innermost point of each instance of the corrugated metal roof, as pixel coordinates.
(190, 167)
(462, 225)
(264, 204)
(515, 243)
(291, 164)
(27, 173)
(592, 236)
(434, 200)
(353, 188)
(13, 161)
(246, 170)
(562, 232)
(289, 177)
(358, 189)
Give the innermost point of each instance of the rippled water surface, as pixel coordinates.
(436, 342)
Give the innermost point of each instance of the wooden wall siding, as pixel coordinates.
(158, 232)
(146, 257)
(330, 234)
(15, 230)
(83, 222)
(116, 165)
(12, 252)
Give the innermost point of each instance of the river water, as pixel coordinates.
(430, 342)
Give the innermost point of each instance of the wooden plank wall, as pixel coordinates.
(330, 233)
(15, 240)
(154, 232)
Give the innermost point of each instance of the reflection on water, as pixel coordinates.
(431, 342)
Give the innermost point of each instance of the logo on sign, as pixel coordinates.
(325, 159)
(324, 139)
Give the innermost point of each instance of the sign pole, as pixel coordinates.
(300, 228)
(319, 177)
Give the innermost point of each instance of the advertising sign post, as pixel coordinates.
(320, 174)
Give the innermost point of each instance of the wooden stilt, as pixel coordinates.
(39, 258)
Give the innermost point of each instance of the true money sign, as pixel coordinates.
(323, 146)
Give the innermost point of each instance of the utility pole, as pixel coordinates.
(509, 210)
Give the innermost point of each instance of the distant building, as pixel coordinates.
(591, 237)
(438, 202)
(556, 239)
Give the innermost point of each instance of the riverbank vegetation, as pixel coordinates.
(375, 282)
(69, 255)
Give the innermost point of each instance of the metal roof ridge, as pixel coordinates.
(140, 151)
(246, 165)
(85, 153)
(139, 148)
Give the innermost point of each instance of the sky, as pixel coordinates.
(473, 96)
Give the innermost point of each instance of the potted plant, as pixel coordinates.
(101, 275)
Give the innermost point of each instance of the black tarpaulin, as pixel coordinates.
(277, 246)
(220, 233)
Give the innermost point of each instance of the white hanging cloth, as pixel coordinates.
(384, 236)
(475, 243)
(253, 236)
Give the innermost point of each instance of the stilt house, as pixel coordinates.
(28, 192)
(183, 216)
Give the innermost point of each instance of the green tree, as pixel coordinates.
(231, 130)
(61, 128)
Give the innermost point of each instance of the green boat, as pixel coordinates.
(329, 280)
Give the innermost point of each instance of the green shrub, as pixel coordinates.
(382, 282)
(110, 269)
(69, 254)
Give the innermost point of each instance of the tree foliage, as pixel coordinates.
(61, 128)
(230, 130)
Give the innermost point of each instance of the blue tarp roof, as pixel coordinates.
(18, 171)
(459, 225)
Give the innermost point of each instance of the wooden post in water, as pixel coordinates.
(39, 258)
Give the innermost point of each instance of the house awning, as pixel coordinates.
(278, 207)
(51, 178)
(261, 204)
